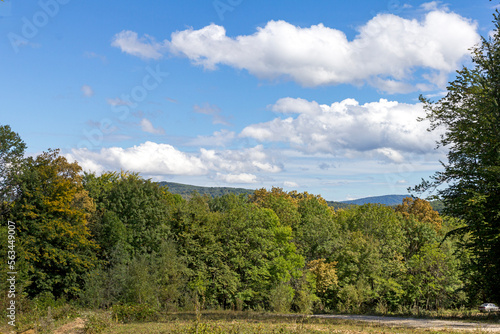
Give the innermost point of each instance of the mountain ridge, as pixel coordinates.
(186, 190)
(384, 199)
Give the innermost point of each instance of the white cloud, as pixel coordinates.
(148, 158)
(153, 159)
(145, 47)
(290, 184)
(147, 126)
(384, 129)
(87, 91)
(253, 159)
(237, 178)
(218, 138)
(433, 5)
(386, 51)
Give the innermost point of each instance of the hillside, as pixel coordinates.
(186, 190)
(385, 200)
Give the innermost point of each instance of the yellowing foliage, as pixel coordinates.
(325, 274)
(422, 210)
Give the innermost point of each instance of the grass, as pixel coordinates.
(252, 322)
(45, 321)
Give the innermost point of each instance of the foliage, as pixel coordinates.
(422, 210)
(97, 323)
(280, 298)
(51, 218)
(132, 213)
(117, 241)
(134, 312)
(11, 154)
(186, 190)
(325, 275)
(470, 117)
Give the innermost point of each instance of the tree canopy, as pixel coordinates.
(470, 117)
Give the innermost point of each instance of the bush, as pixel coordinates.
(280, 298)
(97, 323)
(134, 312)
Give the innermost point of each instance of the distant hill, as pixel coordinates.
(186, 190)
(338, 205)
(385, 200)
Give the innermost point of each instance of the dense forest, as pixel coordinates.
(117, 238)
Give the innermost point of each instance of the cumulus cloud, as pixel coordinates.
(147, 126)
(252, 159)
(154, 159)
(385, 53)
(148, 158)
(237, 178)
(145, 47)
(383, 129)
(87, 91)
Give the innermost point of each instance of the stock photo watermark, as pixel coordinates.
(223, 6)
(31, 25)
(123, 105)
(11, 273)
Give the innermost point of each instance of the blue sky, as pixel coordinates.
(317, 96)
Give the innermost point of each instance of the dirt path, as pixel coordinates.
(419, 323)
(74, 327)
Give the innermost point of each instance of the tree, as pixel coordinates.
(131, 213)
(51, 215)
(421, 210)
(11, 154)
(470, 116)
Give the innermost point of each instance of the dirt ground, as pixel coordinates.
(420, 323)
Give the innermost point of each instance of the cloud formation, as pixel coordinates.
(383, 129)
(237, 178)
(145, 47)
(147, 126)
(385, 53)
(148, 158)
(154, 159)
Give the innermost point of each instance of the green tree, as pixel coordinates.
(131, 213)
(370, 259)
(11, 155)
(470, 116)
(51, 215)
(432, 279)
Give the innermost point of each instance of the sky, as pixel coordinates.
(318, 96)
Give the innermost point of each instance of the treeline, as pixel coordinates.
(117, 238)
(187, 190)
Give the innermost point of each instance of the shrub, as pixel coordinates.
(97, 323)
(280, 298)
(134, 312)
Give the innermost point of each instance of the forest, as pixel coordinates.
(118, 239)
